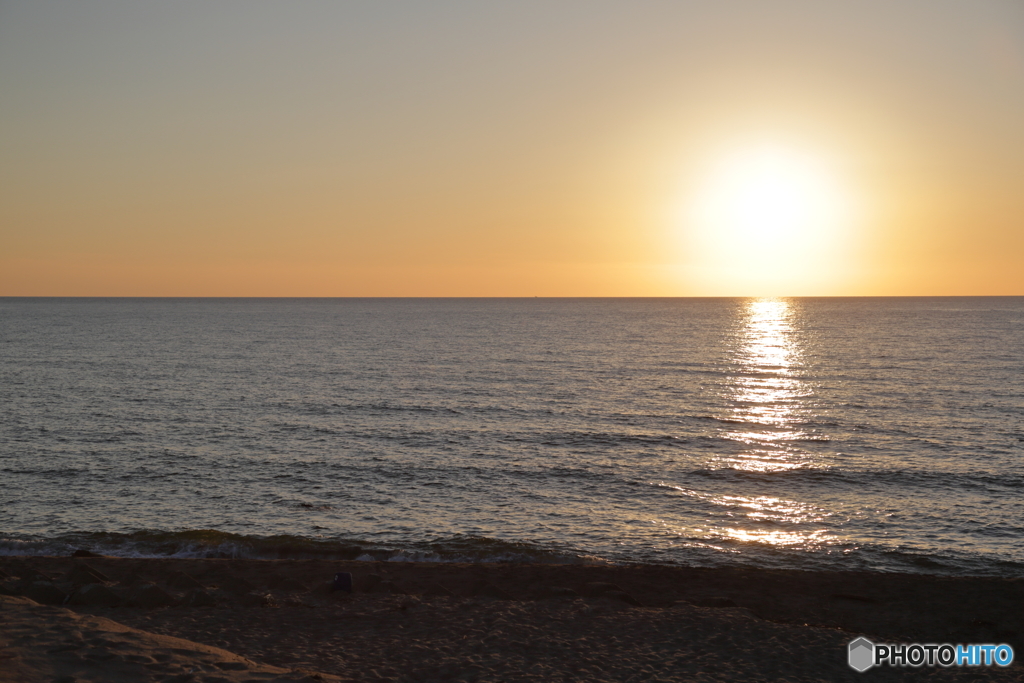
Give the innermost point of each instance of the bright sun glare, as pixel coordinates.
(768, 220)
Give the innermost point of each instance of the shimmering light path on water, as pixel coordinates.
(842, 433)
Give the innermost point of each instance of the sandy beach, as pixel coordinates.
(119, 619)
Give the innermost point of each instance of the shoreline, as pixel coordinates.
(206, 543)
(505, 621)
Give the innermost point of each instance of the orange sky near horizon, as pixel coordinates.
(535, 149)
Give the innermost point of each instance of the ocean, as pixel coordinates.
(881, 434)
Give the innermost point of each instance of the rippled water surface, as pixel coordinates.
(814, 433)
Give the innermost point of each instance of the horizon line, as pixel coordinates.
(728, 296)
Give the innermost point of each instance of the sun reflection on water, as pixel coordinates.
(756, 519)
(766, 391)
(767, 407)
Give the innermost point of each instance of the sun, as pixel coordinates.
(768, 196)
(768, 219)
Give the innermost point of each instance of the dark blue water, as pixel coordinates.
(810, 433)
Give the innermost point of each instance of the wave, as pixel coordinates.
(842, 556)
(932, 480)
(697, 551)
(190, 543)
(213, 544)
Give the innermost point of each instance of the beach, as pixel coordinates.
(119, 618)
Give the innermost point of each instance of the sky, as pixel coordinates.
(450, 148)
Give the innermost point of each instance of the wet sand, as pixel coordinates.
(116, 619)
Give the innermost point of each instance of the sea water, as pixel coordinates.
(839, 433)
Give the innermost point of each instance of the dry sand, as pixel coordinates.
(260, 620)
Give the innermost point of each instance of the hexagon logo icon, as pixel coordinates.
(861, 654)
